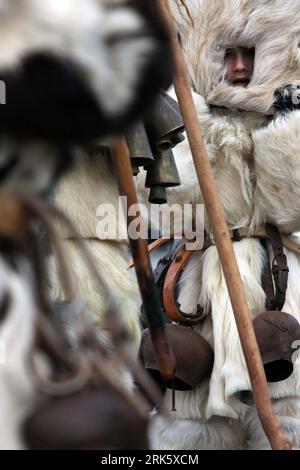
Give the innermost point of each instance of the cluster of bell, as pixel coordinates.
(277, 334)
(150, 145)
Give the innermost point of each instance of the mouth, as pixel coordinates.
(244, 82)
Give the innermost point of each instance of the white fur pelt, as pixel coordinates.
(288, 412)
(190, 434)
(277, 193)
(79, 194)
(16, 338)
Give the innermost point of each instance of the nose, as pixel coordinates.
(240, 65)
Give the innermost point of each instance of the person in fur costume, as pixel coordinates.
(243, 59)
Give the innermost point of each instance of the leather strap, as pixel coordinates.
(164, 264)
(167, 274)
(171, 306)
(267, 278)
(279, 272)
(236, 235)
(171, 266)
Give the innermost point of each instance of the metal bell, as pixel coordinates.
(278, 335)
(164, 171)
(139, 147)
(158, 195)
(164, 121)
(92, 419)
(193, 356)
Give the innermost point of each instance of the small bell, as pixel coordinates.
(164, 171)
(139, 147)
(158, 195)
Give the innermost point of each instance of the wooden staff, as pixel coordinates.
(148, 290)
(220, 231)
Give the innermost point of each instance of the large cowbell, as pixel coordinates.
(278, 337)
(85, 420)
(194, 357)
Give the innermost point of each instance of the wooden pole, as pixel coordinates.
(148, 290)
(222, 238)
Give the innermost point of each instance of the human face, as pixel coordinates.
(239, 63)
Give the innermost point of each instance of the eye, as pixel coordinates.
(229, 53)
(249, 51)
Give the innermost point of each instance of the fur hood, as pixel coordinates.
(208, 27)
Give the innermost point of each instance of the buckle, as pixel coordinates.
(280, 272)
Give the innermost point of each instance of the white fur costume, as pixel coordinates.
(255, 161)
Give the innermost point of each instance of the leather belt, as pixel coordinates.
(172, 265)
